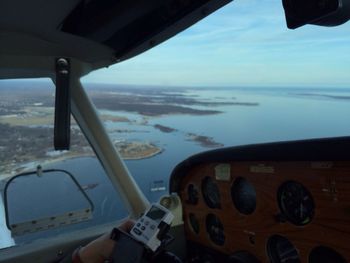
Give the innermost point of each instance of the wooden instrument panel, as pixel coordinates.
(327, 183)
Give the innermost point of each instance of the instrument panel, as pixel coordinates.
(268, 211)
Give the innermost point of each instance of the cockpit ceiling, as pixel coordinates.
(127, 25)
(107, 31)
(34, 15)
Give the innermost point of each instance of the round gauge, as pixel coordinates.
(211, 193)
(243, 196)
(192, 194)
(215, 229)
(296, 203)
(281, 250)
(323, 254)
(194, 223)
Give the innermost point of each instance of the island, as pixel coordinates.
(204, 141)
(137, 150)
(164, 129)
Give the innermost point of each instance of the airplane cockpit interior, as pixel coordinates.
(278, 201)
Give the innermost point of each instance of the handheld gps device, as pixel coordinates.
(152, 226)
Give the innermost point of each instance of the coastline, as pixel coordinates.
(160, 151)
(31, 166)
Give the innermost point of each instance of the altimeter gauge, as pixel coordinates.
(296, 203)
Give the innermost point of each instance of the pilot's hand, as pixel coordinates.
(101, 248)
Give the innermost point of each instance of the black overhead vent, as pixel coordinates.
(125, 25)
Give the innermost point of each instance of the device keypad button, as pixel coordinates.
(137, 231)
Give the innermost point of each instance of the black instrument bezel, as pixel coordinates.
(287, 214)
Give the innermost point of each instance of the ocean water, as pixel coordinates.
(281, 114)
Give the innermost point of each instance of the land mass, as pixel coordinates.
(20, 145)
(204, 141)
(137, 150)
(27, 117)
(157, 101)
(336, 97)
(164, 129)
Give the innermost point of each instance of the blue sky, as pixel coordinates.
(246, 43)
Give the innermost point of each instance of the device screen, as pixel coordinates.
(155, 214)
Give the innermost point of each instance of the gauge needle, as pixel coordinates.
(301, 210)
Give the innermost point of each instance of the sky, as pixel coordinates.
(246, 43)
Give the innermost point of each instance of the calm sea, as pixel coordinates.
(282, 114)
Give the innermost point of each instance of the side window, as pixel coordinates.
(26, 141)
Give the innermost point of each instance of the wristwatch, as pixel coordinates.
(115, 234)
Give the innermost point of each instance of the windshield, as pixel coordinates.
(238, 77)
(26, 142)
